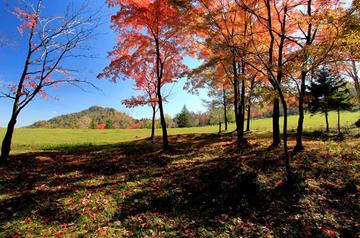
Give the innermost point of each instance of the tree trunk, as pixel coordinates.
(299, 133)
(286, 151)
(225, 110)
(276, 124)
(219, 127)
(327, 121)
(6, 144)
(338, 112)
(242, 109)
(236, 104)
(153, 126)
(159, 73)
(356, 79)
(248, 117)
(249, 104)
(163, 124)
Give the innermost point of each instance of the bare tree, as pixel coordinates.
(49, 42)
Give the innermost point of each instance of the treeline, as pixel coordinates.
(95, 118)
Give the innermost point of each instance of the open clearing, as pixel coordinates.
(31, 140)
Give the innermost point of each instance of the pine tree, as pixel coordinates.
(327, 93)
(184, 118)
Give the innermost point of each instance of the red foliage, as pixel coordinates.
(150, 47)
(29, 20)
(101, 126)
(135, 126)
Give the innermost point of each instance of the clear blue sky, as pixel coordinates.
(67, 99)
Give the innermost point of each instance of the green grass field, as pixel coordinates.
(31, 140)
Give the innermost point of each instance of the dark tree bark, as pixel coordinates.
(153, 125)
(6, 144)
(236, 104)
(309, 38)
(276, 123)
(248, 117)
(249, 104)
(338, 120)
(327, 120)
(242, 104)
(299, 131)
(285, 137)
(225, 109)
(159, 72)
(355, 76)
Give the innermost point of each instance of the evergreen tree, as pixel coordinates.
(184, 118)
(327, 93)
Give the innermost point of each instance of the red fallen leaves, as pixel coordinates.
(84, 201)
(102, 231)
(60, 233)
(28, 219)
(279, 182)
(89, 213)
(328, 232)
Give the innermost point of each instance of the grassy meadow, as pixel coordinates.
(31, 140)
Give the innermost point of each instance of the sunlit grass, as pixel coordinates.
(29, 140)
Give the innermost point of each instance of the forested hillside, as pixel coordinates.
(93, 117)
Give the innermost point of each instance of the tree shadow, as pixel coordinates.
(239, 184)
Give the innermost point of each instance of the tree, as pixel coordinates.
(342, 101)
(146, 81)
(149, 32)
(49, 41)
(184, 118)
(221, 97)
(315, 42)
(223, 30)
(328, 93)
(349, 62)
(109, 124)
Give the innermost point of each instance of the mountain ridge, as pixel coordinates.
(93, 117)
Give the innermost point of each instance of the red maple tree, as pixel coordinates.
(151, 33)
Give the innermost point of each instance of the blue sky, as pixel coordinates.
(67, 99)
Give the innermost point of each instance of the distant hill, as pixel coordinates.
(90, 118)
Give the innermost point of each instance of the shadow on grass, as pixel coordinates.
(203, 177)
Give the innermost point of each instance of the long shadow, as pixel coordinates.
(26, 173)
(211, 189)
(204, 189)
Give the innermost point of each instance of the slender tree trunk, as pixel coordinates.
(159, 72)
(356, 79)
(275, 123)
(153, 125)
(276, 108)
(309, 36)
(219, 127)
(249, 104)
(6, 143)
(338, 121)
(299, 133)
(225, 109)
(163, 124)
(248, 117)
(236, 104)
(285, 138)
(242, 108)
(327, 120)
